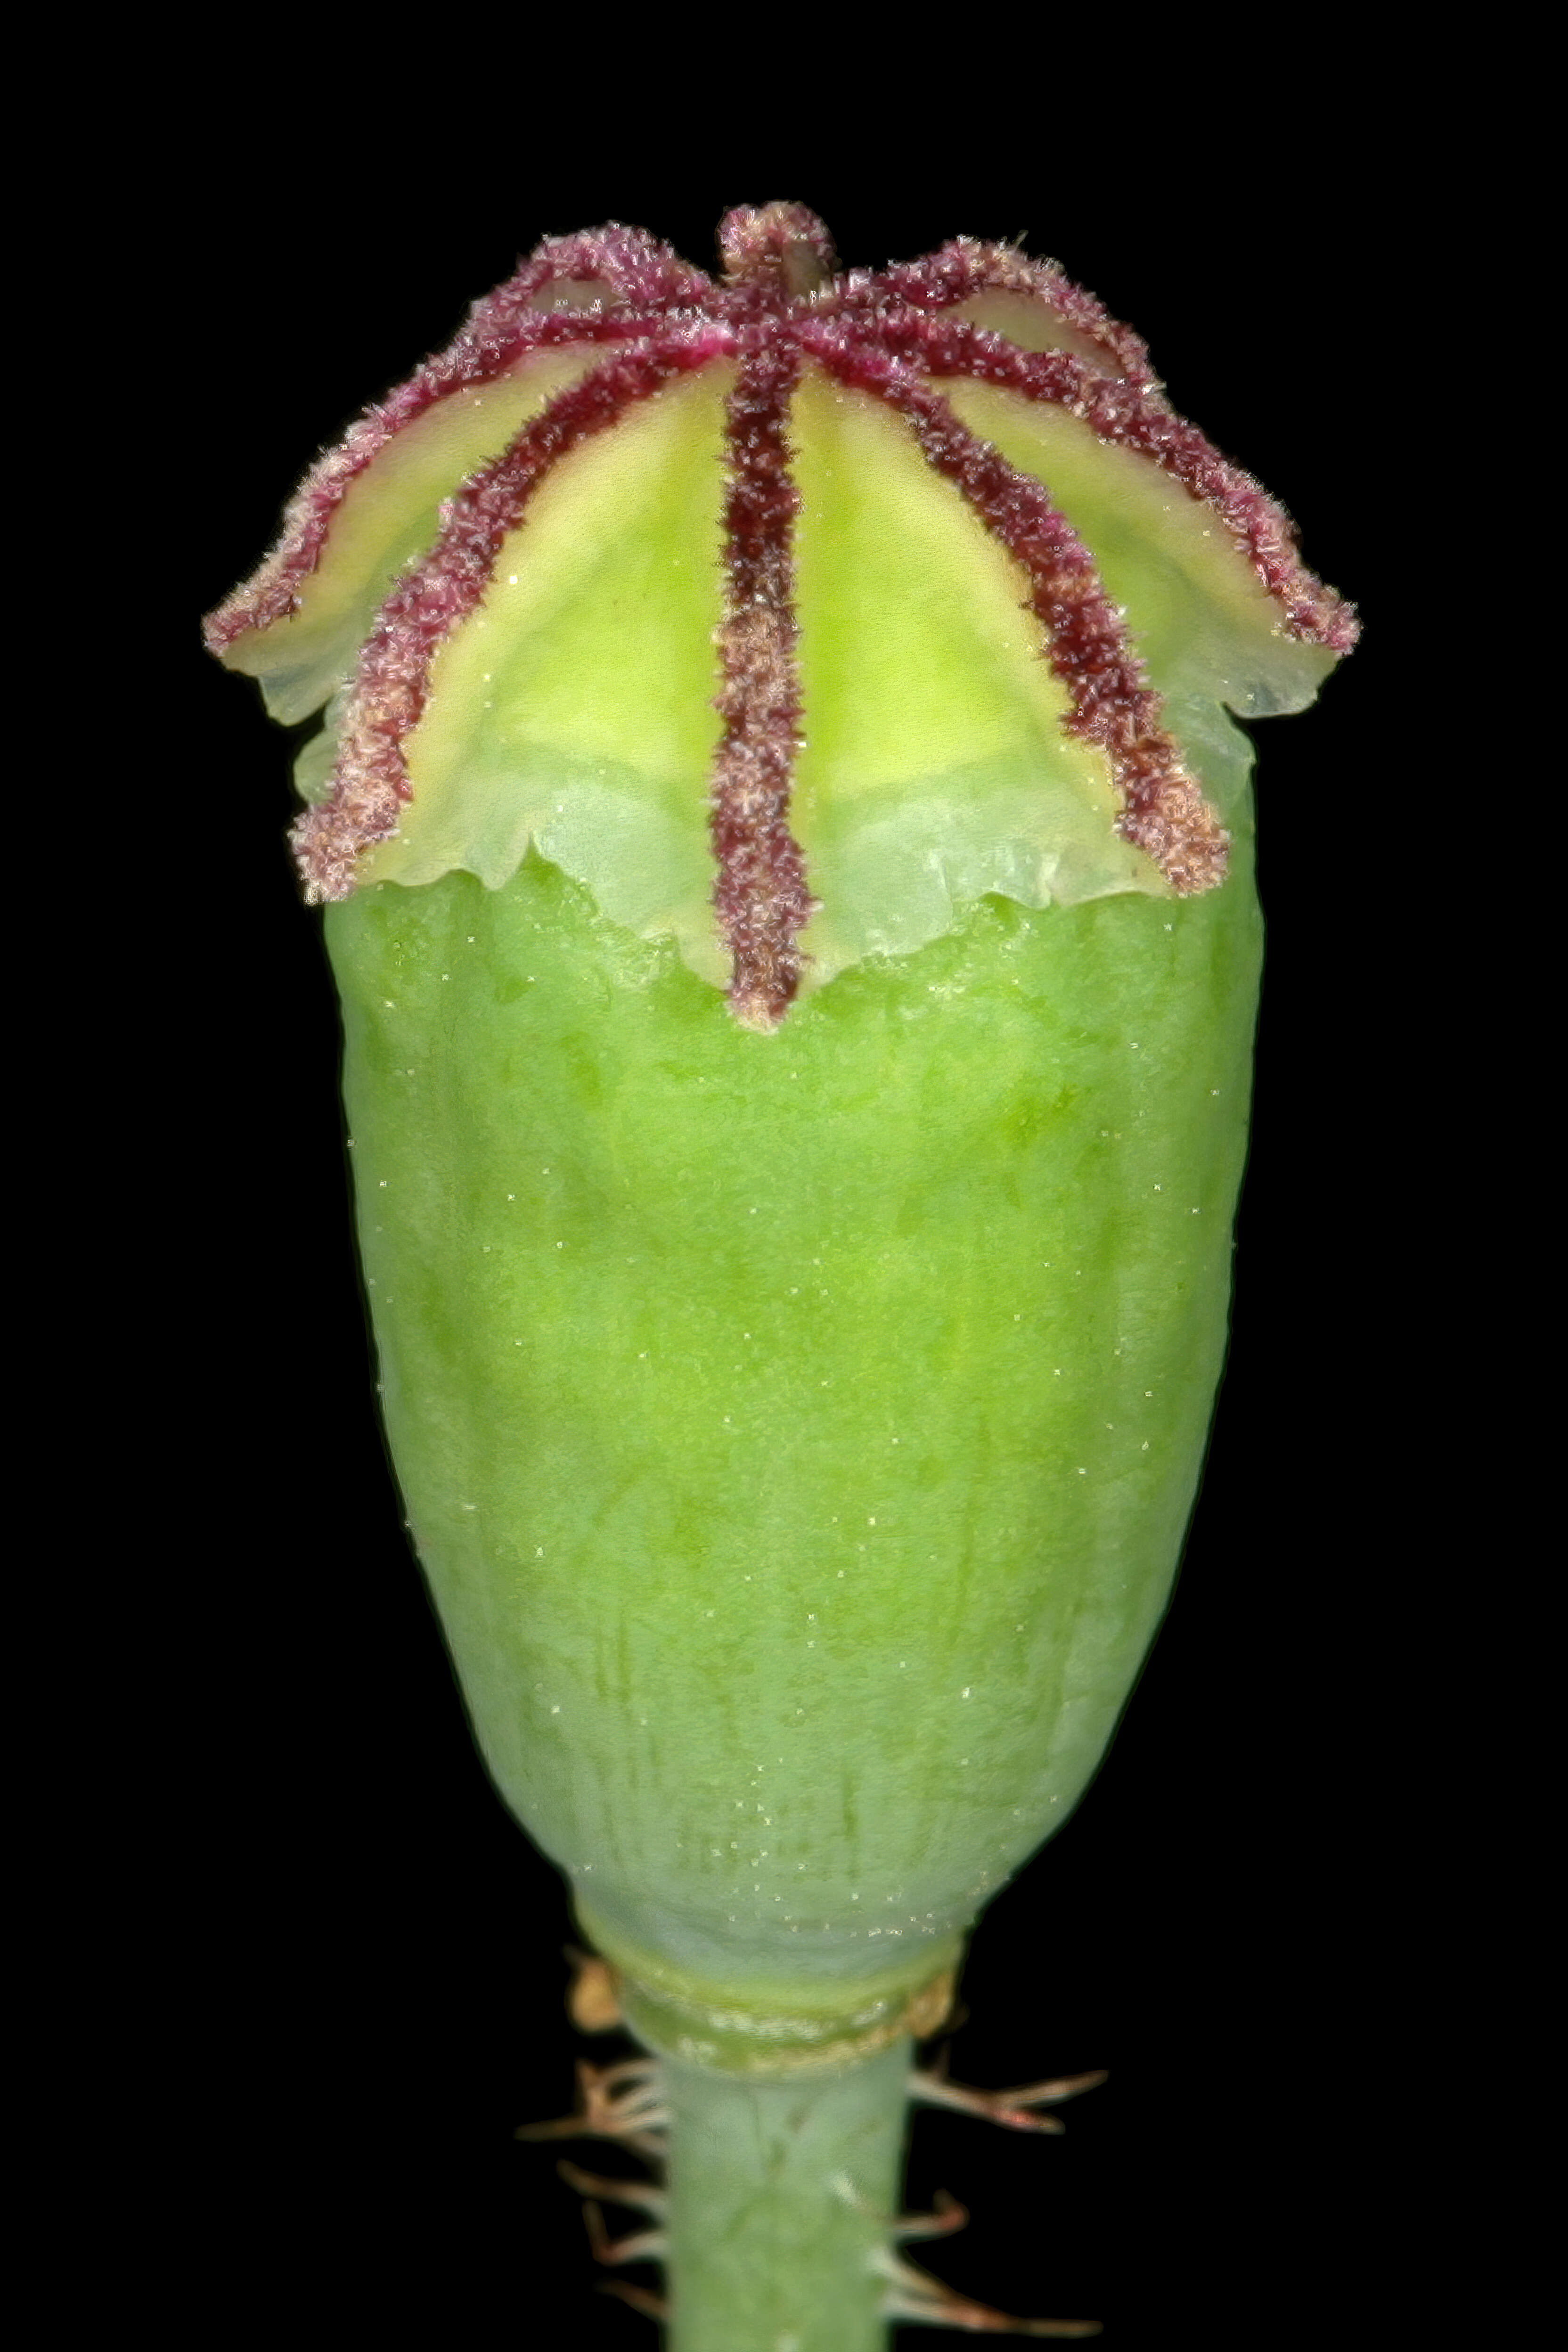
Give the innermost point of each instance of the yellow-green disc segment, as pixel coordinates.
(1200, 619)
(574, 708)
(387, 519)
(935, 767)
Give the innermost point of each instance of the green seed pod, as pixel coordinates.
(787, 859)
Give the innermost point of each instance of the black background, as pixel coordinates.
(355, 1958)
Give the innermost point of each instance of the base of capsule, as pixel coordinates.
(777, 2035)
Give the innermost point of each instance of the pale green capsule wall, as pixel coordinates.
(798, 1430)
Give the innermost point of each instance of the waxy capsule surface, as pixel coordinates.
(799, 1430)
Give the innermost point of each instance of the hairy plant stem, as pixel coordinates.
(781, 2196)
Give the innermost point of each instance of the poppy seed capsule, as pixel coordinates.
(788, 867)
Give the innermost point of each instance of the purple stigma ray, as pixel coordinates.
(781, 303)
(761, 895)
(502, 329)
(370, 780)
(963, 269)
(1164, 811)
(1126, 414)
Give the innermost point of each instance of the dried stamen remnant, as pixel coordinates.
(762, 897)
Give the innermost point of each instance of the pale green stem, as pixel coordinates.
(781, 2196)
